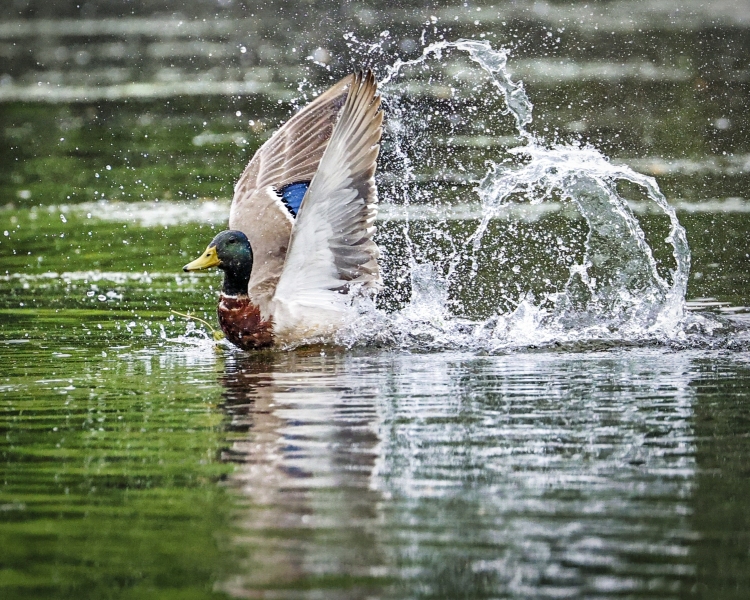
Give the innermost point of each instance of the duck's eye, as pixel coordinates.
(231, 241)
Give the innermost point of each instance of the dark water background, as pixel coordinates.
(138, 460)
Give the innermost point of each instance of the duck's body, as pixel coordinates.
(305, 206)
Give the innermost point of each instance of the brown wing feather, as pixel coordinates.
(292, 154)
(294, 151)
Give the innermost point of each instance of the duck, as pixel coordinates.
(299, 249)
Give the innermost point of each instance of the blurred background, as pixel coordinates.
(662, 85)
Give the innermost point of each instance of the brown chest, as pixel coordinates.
(241, 322)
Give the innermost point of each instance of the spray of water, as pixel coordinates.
(613, 288)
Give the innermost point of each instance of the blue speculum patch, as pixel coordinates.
(292, 194)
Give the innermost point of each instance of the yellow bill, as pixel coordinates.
(205, 261)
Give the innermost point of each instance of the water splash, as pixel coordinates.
(614, 289)
(617, 284)
(494, 62)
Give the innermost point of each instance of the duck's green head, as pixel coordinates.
(229, 251)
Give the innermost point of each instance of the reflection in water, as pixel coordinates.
(305, 465)
(447, 475)
(551, 474)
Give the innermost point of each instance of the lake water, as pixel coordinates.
(536, 408)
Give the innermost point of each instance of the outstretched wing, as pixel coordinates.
(291, 155)
(331, 247)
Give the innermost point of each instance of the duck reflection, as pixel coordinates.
(439, 475)
(305, 445)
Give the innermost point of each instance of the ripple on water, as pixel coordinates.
(522, 475)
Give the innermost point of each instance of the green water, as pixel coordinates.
(110, 483)
(140, 459)
(168, 470)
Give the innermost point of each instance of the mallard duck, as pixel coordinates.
(299, 246)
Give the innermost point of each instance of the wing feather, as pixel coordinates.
(331, 247)
(291, 155)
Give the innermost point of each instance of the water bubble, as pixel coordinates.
(322, 56)
(722, 124)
